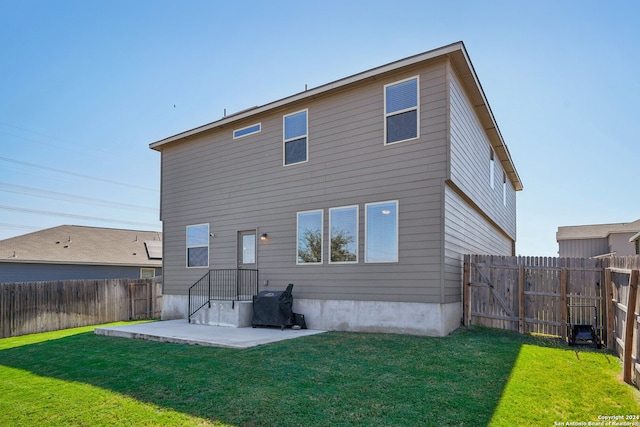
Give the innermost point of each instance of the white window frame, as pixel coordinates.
(366, 232)
(357, 236)
(285, 140)
(187, 247)
(504, 189)
(417, 108)
(321, 211)
(249, 133)
(143, 269)
(492, 168)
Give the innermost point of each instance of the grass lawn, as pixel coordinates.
(474, 377)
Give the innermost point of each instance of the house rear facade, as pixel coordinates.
(365, 193)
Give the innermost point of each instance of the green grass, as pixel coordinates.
(474, 377)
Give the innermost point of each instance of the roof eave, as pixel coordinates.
(458, 54)
(155, 264)
(310, 93)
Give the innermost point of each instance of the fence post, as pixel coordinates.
(631, 320)
(611, 309)
(563, 302)
(466, 293)
(521, 308)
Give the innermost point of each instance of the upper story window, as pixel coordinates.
(249, 130)
(401, 111)
(492, 167)
(295, 138)
(381, 232)
(198, 245)
(504, 189)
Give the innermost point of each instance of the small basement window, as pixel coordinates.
(246, 131)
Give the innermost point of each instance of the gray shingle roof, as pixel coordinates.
(596, 231)
(72, 244)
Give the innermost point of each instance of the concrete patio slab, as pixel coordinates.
(182, 332)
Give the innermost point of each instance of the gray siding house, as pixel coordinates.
(586, 241)
(364, 192)
(71, 252)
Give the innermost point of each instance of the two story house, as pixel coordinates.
(364, 193)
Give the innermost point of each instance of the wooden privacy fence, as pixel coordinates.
(532, 294)
(33, 307)
(621, 278)
(545, 295)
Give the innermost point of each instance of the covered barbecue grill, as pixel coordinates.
(273, 308)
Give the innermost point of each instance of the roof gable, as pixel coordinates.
(71, 244)
(455, 52)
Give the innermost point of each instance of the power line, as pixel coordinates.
(66, 142)
(33, 165)
(56, 195)
(18, 227)
(67, 215)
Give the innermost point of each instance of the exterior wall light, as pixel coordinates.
(264, 237)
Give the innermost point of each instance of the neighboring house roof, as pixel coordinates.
(597, 231)
(635, 237)
(456, 52)
(72, 244)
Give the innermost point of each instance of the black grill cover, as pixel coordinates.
(273, 308)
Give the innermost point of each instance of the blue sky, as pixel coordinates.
(86, 85)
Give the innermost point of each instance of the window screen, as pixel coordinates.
(309, 237)
(343, 223)
(401, 111)
(381, 240)
(295, 138)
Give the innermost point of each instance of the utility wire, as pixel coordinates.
(67, 215)
(24, 190)
(33, 165)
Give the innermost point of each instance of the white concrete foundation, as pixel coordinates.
(333, 315)
(377, 316)
(237, 314)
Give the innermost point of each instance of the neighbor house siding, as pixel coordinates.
(583, 248)
(241, 184)
(620, 244)
(470, 154)
(35, 272)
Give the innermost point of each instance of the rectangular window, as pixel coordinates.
(401, 111)
(504, 189)
(249, 130)
(343, 223)
(147, 273)
(492, 168)
(381, 232)
(309, 236)
(295, 138)
(198, 245)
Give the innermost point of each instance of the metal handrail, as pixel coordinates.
(222, 285)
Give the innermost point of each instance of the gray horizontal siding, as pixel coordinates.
(466, 232)
(470, 154)
(241, 184)
(27, 272)
(583, 248)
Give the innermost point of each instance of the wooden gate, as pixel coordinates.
(534, 294)
(146, 300)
